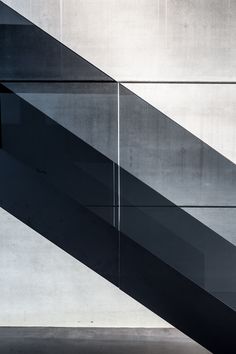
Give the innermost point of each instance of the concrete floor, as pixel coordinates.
(96, 340)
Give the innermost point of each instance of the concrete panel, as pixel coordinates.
(207, 111)
(49, 19)
(23, 59)
(41, 285)
(170, 159)
(145, 40)
(21, 6)
(46, 14)
(170, 40)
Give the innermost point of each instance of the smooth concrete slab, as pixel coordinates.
(154, 40)
(99, 341)
(41, 285)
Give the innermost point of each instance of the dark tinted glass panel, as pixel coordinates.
(166, 167)
(171, 160)
(221, 220)
(172, 296)
(88, 110)
(66, 161)
(27, 195)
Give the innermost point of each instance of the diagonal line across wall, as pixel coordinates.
(47, 196)
(52, 179)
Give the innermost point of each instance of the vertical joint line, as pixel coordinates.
(60, 37)
(0, 121)
(61, 14)
(114, 194)
(118, 177)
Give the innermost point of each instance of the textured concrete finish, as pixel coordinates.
(45, 13)
(170, 159)
(41, 285)
(170, 40)
(207, 111)
(145, 40)
(99, 341)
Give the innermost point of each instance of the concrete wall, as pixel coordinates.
(144, 39)
(41, 285)
(171, 54)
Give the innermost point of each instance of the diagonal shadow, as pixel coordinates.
(31, 54)
(87, 177)
(164, 291)
(166, 260)
(79, 171)
(25, 194)
(192, 170)
(170, 159)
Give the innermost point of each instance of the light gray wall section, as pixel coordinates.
(207, 111)
(46, 13)
(41, 285)
(144, 39)
(156, 40)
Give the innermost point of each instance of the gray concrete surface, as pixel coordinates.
(145, 40)
(170, 159)
(205, 110)
(99, 341)
(32, 271)
(188, 40)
